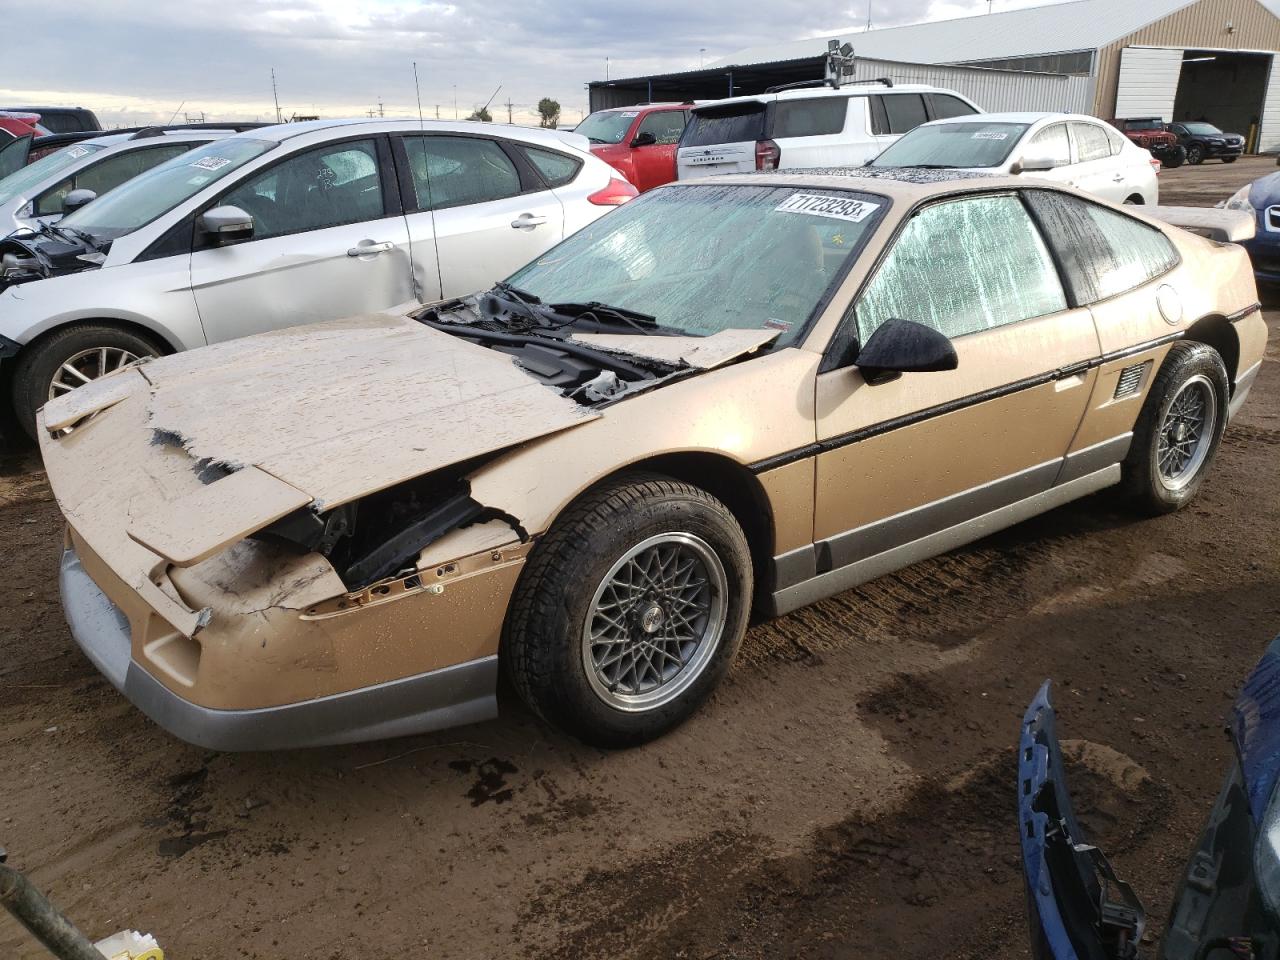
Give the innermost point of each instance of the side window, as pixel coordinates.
(325, 187)
(1103, 251)
(945, 106)
(665, 125)
(962, 266)
(1117, 140)
(879, 119)
(556, 168)
(1051, 142)
(905, 111)
(818, 117)
(1091, 142)
(455, 171)
(106, 175)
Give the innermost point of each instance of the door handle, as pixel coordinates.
(367, 248)
(527, 221)
(1118, 178)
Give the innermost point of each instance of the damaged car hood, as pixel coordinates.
(318, 415)
(27, 256)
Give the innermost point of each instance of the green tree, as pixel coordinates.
(549, 110)
(482, 114)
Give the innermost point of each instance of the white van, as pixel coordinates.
(808, 127)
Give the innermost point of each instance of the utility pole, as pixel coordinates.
(606, 68)
(437, 111)
(509, 106)
(275, 96)
(868, 14)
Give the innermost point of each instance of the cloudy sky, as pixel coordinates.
(141, 60)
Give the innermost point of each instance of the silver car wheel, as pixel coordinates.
(87, 366)
(655, 622)
(1186, 433)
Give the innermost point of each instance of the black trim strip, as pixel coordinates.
(951, 406)
(1246, 312)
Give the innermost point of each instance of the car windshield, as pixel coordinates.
(704, 258)
(967, 144)
(20, 181)
(607, 126)
(152, 194)
(1203, 129)
(1154, 123)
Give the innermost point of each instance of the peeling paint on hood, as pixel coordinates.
(338, 410)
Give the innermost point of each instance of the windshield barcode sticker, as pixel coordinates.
(211, 163)
(990, 135)
(838, 208)
(77, 152)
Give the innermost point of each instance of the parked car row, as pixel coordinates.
(250, 232)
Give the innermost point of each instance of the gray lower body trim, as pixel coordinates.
(1092, 459)
(457, 695)
(1244, 383)
(859, 572)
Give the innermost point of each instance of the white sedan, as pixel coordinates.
(300, 222)
(1067, 148)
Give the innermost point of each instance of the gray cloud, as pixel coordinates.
(341, 56)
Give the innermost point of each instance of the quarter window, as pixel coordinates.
(1091, 142)
(456, 171)
(963, 266)
(904, 111)
(946, 106)
(818, 117)
(556, 168)
(1052, 142)
(327, 187)
(1104, 252)
(665, 125)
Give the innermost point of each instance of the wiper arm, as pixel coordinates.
(935, 166)
(606, 315)
(74, 234)
(516, 293)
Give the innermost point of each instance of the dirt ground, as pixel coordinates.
(848, 793)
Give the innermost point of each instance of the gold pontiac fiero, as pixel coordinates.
(737, 394)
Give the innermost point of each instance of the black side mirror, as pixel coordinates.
(644, 140)
(77, 199)
(904, 346)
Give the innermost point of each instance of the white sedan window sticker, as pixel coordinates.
(990, 135)
(818, 205)
(211, 163)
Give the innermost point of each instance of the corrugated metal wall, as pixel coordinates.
(1269, 128)
(1199, 26)
(993, 90)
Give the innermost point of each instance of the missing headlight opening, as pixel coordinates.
(379, 536)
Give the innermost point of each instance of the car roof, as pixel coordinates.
(644, 107)
(851, 90)
(281, 132)
(116, 139)
(909, 184)
(1026, 116)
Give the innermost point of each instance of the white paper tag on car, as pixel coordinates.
(77, 152)
(990, 135)
(818, 205)
(211, 163)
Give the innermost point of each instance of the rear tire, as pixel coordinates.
(1175, 160)
(1230, 159)
(1195, 154)
(629, 611)
(81, 347)
(1178, 431)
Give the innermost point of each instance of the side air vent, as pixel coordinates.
(1131, 379)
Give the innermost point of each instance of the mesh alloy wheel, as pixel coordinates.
(654, 622)
(1186, 433)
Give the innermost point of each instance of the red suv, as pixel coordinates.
(21, 124)
(639, 142)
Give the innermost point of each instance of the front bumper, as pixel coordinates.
(1264, 254)
(449, 697)
(1219, 150)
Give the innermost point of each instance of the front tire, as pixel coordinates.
(1195, 154)
(1179, 429)
(69, 358)
(630, 610)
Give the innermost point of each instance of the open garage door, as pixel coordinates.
(1148, 82)
(1269, 134)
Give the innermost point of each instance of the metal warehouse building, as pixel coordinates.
(1178, 59)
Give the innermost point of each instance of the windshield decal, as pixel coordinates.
(77, 152)
(211, 163)
(818, 205)
(629, 113)
(990, 135)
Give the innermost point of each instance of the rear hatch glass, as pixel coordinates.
(737, 123)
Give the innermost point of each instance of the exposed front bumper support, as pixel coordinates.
(451, 697)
